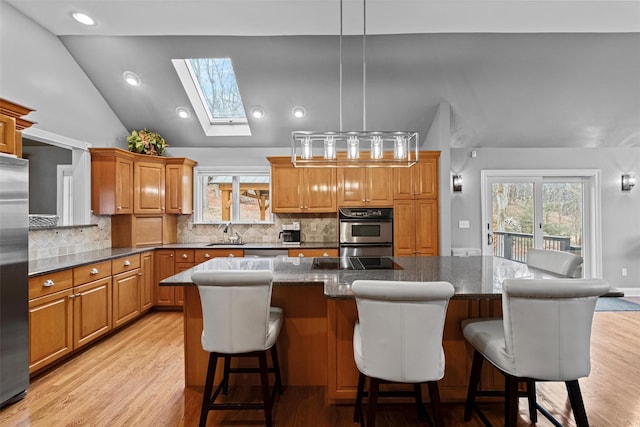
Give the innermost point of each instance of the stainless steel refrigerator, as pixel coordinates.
(14, 280)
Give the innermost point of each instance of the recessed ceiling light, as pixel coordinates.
(298, 112)
(83, 19)
(257, 112)
(183, 113)
(131, 78)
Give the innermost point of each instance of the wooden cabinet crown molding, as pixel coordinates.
(11, 109)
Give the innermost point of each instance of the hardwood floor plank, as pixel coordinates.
(136, 378)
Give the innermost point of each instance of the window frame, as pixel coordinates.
(200, 172)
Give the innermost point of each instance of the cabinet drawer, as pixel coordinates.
(91, 272)
(315, 253)
(50, 283)
(120, 265)
(185, 255)
(203, 255)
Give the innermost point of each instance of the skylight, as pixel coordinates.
(211, 86)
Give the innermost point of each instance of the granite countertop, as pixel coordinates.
(42, 266)
(473, 277)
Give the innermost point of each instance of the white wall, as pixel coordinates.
(37, 71)
(620, 210)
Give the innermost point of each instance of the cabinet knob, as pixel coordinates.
(94, 271)
(185, 256)
(119, 207)
(300, 255)
(325, 254)
(139, 274)
(207, 256)
(48, 283)
(162, 208)
(231, 255)
(127, 263)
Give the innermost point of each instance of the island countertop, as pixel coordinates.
(473, 277)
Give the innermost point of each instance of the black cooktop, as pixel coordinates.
(355, 263)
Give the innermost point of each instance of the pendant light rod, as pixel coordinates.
(340, 66)
(364, 65)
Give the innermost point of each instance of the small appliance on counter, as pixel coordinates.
(290, 234)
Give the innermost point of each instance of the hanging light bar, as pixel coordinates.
(354, 148)
(342, 149)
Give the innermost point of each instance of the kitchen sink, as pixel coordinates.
(224, 244)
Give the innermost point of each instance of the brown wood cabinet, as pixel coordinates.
(67, 310)
(148, 185)
(111, 181)
(147, 282)
(415, 208)
(179, 185)
(365, 187)
(313, 253)
(127, 287)
(165, 267)
(11, 125)
(301, 190)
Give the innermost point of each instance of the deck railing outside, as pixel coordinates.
(514, 246)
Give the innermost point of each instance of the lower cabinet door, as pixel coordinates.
(146, 281)
(50, 328)
(126, 297)
(91, 311)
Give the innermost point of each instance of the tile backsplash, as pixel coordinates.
(50, 242)
(316, 228)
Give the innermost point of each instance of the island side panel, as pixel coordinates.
(343, 373)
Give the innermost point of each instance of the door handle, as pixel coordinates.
(490, 239)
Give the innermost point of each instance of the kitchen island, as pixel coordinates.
(315, 344)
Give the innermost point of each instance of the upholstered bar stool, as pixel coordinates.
(561, 263)
(238, 321)
(544, 335)
(398, 338)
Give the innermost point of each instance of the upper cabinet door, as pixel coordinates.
(149, 182)
(179, 185)
(379, 189)
(111, 181)
(426, 179)
(7, 134)
(351, 186)
(319, 190)
(285, 186)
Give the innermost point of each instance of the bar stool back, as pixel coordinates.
(562, 263)
(398, 338)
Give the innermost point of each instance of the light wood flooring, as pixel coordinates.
(135, 378)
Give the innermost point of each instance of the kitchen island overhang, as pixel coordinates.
(315, 343)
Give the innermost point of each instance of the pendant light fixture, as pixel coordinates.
(354, 148)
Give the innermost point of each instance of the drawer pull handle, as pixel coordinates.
(207, 256)
(325, 254)
(301, 255)
(94, 271)
(231, 255)
(127, 263)
(48, 283)
(185, 256)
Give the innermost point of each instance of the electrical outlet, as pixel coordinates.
(624, 272)
(463, 224)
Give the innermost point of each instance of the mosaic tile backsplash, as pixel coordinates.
(50, 242)
(317, 228)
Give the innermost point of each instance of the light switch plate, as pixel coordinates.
(463, 224)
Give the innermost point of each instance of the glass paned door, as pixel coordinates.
(535, 212)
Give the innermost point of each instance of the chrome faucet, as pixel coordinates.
(228, 230)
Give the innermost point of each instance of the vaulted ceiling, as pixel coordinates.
(516, 73)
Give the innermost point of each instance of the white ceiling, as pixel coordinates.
(516, 73)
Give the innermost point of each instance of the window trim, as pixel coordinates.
(198, 190)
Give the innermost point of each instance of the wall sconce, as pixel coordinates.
(457, 183)
(628, 181)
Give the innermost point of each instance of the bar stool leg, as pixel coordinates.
(276, 368)
(531, 397)
(373, 402)
(225, 377)
(357, 411)
(575, 397)
(511, 401)
(417, 391)
(474, 380)
(264, 379)
(208, 387)
(434, 396)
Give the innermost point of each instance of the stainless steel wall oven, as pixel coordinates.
(366, 231)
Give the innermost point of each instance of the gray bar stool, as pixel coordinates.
(398, 338)
(238, 321)
(544, 335)
(561, 263)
